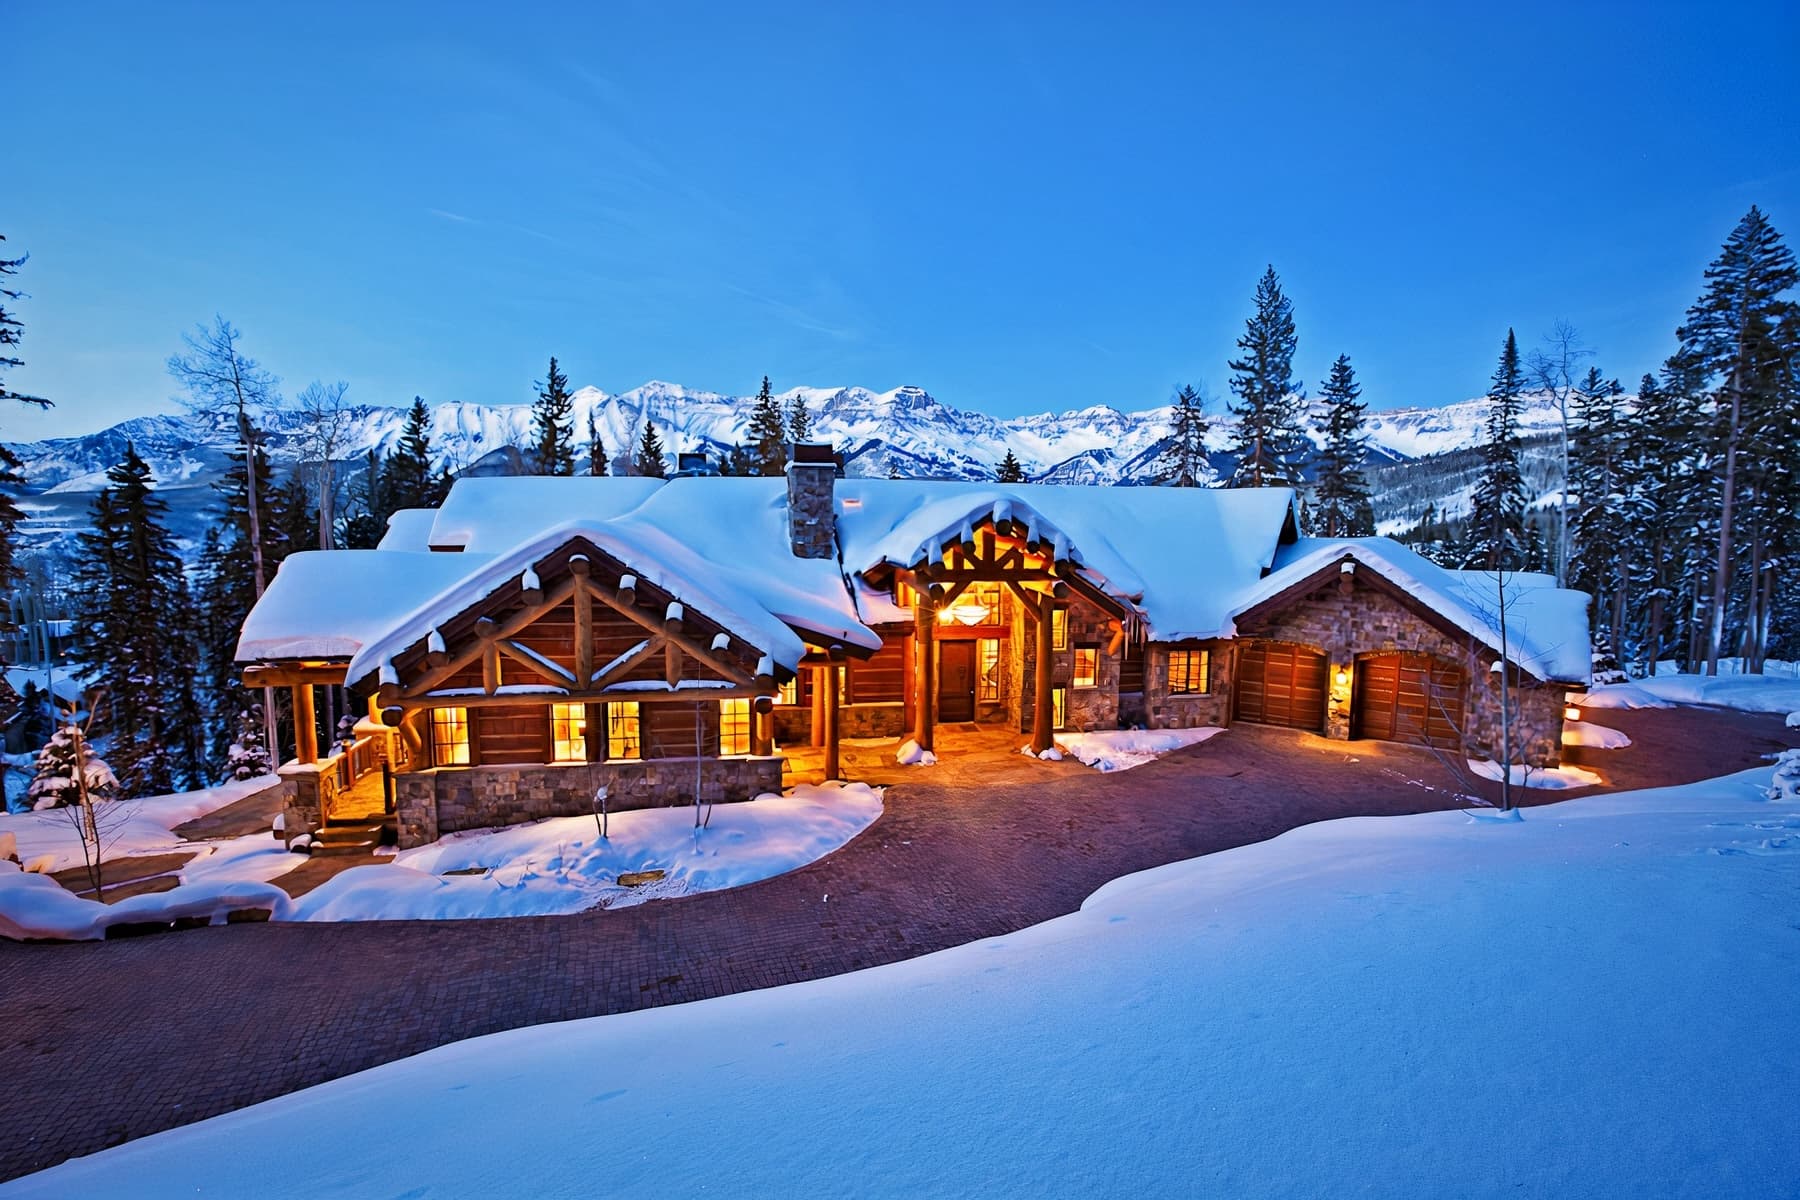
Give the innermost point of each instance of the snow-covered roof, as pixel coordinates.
(63, 681)
(409, 529)
(492, 514)
(327, 603)
(1546, 626)
(652, 553)
(1178, 554)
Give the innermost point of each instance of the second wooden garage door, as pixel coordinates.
(1279, 683)
(1411, 698)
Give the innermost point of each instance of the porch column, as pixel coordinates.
(306, 725)
(762, 727)
(925, 672)
(817, 734)
(1043, 716)
(831, 720)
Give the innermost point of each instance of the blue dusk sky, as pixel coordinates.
(1018, 207)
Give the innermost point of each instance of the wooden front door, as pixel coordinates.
(956, 681)
(1279, 683)
(1413, 698)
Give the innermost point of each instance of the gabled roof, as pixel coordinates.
(1546, 626)
(492, 514)
(1178, 554)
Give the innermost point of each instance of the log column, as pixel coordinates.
(816, 735)
(1043, 715)
(306, 724)
(831, 720)
(925, 672)
(762, 727)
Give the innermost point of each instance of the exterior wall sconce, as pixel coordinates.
(1571, 713)
(1343, 676)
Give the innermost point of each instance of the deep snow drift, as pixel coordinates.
(1595, 1000)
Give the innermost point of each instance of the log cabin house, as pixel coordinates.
(536, 639)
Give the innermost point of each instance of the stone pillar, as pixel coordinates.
(924, 672)
(831, 721)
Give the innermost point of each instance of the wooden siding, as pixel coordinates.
(512, 733)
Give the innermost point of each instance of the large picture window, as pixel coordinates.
(1059, 707)
(1059, 628)
(1190, 672)
(624, 730)
(734, 727)
(1087, 667)
(450, 737)
(987, 663)
(568, 732)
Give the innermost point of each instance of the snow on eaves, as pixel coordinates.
(329, 603)
(494, 513)
(409, 529)
(1546, 626)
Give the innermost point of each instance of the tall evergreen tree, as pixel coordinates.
(1010, 470)
(131, 627)
(1738, 342)
(767, 434)
(296, 520)
(799, 419)
(1600, 544)
(553, 452)
(406, 479)
(1183, 460)
(1341, 506)
(597, 464)
(11, 332)
(365, 522)
(1497, 512)
(1269, 443)
(651, 461)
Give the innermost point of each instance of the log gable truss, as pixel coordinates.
(590, 582)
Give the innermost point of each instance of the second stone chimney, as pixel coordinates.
(812, 471)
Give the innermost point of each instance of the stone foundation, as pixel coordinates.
(1189, 710)
(445, 800)
(793, 723)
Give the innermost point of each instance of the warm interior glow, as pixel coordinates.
(1571, 713)
(1343, 676)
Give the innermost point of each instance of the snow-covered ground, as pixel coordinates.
(1595, 1000)
(1123, 749)
(1598, 737)
(1772, 693)
(127, 826)
(1556, 779)
(562, 866)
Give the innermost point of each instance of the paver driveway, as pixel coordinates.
(101, 1042)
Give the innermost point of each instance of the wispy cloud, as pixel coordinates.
(450, 216)
(798, 317)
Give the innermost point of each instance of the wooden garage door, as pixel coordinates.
(1279, 683)
(1413, 698)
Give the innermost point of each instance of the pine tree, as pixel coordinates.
(37, 714)
(1599, 541)
(767, 433)
(1268, 440)
(132, 628)
(1183, 460)
(54, 782)
(365, 522)
(1010, 470)
(597, 464)
(738, 461)
(10, 518)
(1738, 343)
(1497, 512)
(799, 419)
(551, 416)
(11, 331)
(248, 755)
(1341, 504)
(406, 478)
(650, 460)
(296, 520)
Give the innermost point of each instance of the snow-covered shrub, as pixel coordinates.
(1787, 777)
(1606, 660)
(54, 785)
(248, 756)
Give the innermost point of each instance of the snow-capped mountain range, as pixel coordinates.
(905, 431)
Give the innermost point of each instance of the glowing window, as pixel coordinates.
(1087, 667)
(734, 727)
(987, 655)
(1059, 628)
(1190, 672)
(624, 732)
(450, 737)
(568, 732)
(790, 692)
(1059, 707)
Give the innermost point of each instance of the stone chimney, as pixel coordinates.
(812, 513)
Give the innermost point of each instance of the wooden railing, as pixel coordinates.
(340, 773)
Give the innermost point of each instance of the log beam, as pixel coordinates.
(832, 770)
(925, 673)
(584, 638)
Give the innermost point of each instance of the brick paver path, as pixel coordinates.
(100, 1042)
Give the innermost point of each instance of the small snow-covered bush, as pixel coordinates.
(1787, 777)
(54, 785)
(248, 756)
(911, 754)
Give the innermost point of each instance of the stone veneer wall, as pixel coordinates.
(1187, 711)
(1085, 708)
(793, 722)
(1363, 620)
(444, 800)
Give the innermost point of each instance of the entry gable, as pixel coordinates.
(569, 616)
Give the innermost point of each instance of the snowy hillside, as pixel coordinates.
(906, 431)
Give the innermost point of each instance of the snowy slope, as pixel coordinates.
(1597, 1000)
